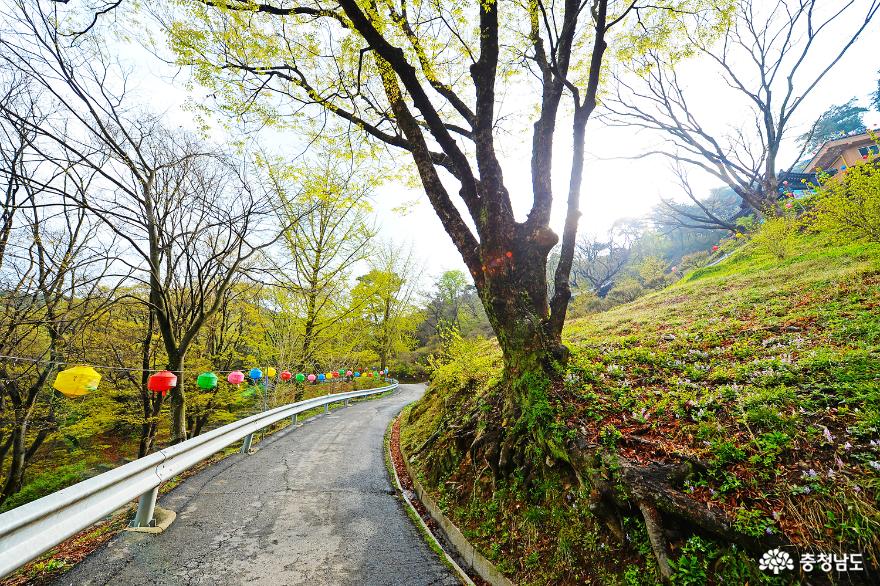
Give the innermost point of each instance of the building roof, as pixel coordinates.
(829, 152)
(795, 181)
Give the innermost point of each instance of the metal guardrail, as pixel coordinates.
(31, 529)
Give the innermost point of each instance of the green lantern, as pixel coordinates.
(207, 380)
(341, 372)
(300, 377)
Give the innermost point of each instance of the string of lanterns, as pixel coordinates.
(82, 380)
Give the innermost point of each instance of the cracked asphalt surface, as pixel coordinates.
(312, 506)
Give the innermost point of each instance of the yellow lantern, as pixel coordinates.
(329, 375)
(77, 381)
(270, 372)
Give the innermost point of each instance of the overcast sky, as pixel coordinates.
(613, 188)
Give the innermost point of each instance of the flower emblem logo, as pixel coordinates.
(776, 560)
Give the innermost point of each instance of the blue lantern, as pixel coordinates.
(386, 370)
(357, 374)
(322, 377)
(255, 374)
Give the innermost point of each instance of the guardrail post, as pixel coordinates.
(326, 407)
(246, 445)
(146, 508)
(293, 419)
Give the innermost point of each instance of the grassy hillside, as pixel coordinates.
(763, 373)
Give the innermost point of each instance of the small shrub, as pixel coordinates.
(777, 236)
(626, 290)
(586, 302)
(693, 261)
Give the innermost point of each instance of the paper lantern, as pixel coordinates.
(255, 373)
(357, 374)
(714, 248)
(235, 377)
(328, 375)
(77, 381)
(285, 375)
(321, 377)
(270, 372)
(338, 373)
(386, 370)
(300, 377)
(370, 374)
(311, 378)
(207, 380)
(162, 382)
(348, 373)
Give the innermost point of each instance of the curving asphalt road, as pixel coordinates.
(312, 506)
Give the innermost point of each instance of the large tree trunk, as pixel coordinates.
(514, 293)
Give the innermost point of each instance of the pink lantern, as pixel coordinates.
(235, 377)
(348, 373)
(311, 378)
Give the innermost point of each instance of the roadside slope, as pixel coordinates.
(761, 375)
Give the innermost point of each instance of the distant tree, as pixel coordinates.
(835, 121)
(599, 260)
(385, 297)
(323, 248)
(453, 303)
(719, 211)
(773, 55)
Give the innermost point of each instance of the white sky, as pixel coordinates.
(612, 188)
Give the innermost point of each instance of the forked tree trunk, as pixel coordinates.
(514, 293)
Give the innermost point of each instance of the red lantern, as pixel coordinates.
(369, 374)
(285, 375)
(335, 374)
(162, 382)
(714, 248)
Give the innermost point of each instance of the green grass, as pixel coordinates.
(768, 370)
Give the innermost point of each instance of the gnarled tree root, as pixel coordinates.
(656, 537)
(620, 486)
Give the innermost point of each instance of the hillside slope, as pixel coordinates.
(763, 376)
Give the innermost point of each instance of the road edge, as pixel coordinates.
(429, 537)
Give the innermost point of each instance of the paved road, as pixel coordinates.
(312, 506)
